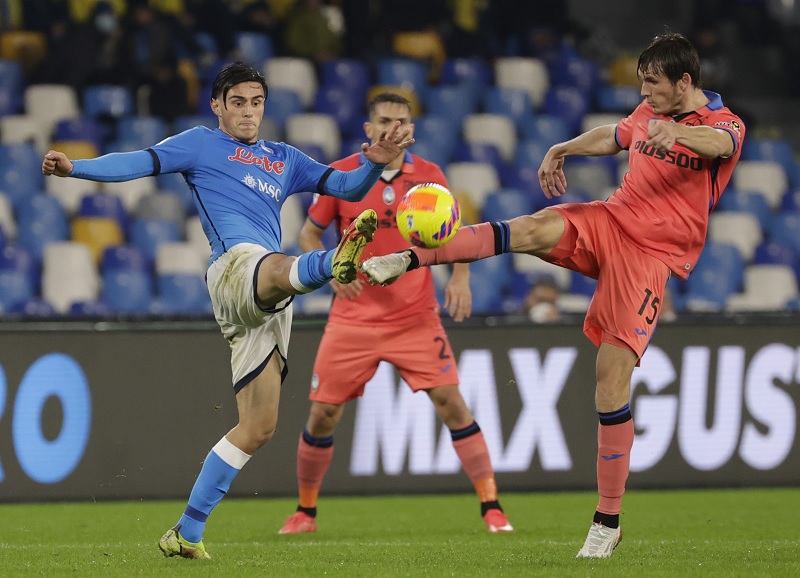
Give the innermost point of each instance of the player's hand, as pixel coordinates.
(458, 300)
(662, 134)
(551, 175)
(349, 291)
(56, 163)
(388, 145)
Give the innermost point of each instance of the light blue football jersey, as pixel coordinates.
(239, 189)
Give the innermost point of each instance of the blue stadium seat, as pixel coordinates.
(569, 103)
(104, 205)
(487, 297)
(93, 309)
(770, 149)
(281, 104)
(431, 152)
(11, 86)
(708, 290)
(530, 153)
(187, 121)
(513, 102)
(17, 258)
(108, 100)
(582, 285)
(749, 202)
(437, 131)
(507, 204)
(724, 259)
(791, 200)
(147, 234)
(522, 177)
(547, 129)
(352, 145)
(15, 287)
(80, 128)
(474, 74)
(771, 253)
(479, 152)
(144, 130)
(20, 171)
(123, 258)
(785, 229)
(339, 103)
(253, 48)
(127, 291)
(622, 99)
(406, 72)
(450, 101)
(315, 150)
(576, 72)
(349, 74)
(35, 307)
(175, 183)
(184, 294)
(43, 208)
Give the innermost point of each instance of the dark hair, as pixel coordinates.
(387, 97)
(234, 74)
(672, 55)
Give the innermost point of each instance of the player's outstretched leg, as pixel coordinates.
(386, 269)
(354, 239)
(173, 544)
(600, 542)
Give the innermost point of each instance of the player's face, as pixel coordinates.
(241, 114)
(386, 114)
(665, 97)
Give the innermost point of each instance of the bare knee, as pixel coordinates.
(450, 406)
(323, 418)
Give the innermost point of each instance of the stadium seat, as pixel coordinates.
(487, 295)
(108, 101)
(69, 192)
(83, 128)
(123, 258)
(530, 153)
(747, 202)
(478, 152)
(569, 103)
(349, 74)
(512, 102)
(69, 274)
(580, 73)
(533, 267)
(90, 309)
(422, 148)
(161, 205)
(104, 205)
(147, 234)
(179, 257)
(765, 177)
(495, 129)
(197, 237)
(297, 74)
(784, 228)
(547, 129)
(477, 179)
(144, 130)
(423, 45)
(582, 285)
(8, 222)
(437, 131)
(14, 257)
(23, 128)
(20, 171)
(181, 294)
(452, 102)
(623, 71)
(77, 149)
(504, 204)
(622, 99)
(127, 291)
(766, 288)
(339, 103)
(97, 233)
(523, 177)
(595, 119)
(470, 74)
(130, 192)
(176, 184)
(529, 74)
(11, 86)
(770, 149)
(35, 307)
(771, 253)
(28, 47)
(50, 103)
(593, 175)
(315, 128)
(253, 48)
(15, 287)
(707, 292)
(739, 229)
(270, 130)
(283, 103)
(293, 215)
(44, 208)
(187, 121)
(406, 72)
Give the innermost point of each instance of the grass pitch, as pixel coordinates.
(748, 533)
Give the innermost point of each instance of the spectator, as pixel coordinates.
(308, 32)
(541, 301)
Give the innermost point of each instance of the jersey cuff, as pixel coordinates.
(156, 162)
(322, 180)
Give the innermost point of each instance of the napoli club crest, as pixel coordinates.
(388, 195)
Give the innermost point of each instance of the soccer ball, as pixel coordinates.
(428, 216)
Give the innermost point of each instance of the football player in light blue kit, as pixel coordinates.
(239, 184)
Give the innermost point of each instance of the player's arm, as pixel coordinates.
(457, 294)
(705, 141)
(114, 167)
(599, 141)
(351, 185)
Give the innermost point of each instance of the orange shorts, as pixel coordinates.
(349, 355)
(630, 283)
